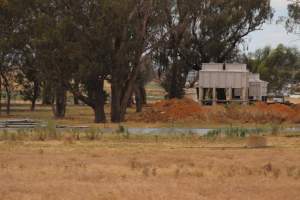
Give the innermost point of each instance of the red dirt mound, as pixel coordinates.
(296, 108)
(284, 110)
(187, 110)
(172, 110)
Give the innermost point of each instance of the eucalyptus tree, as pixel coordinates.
(280, 67)
(31, 75)
(91, 41)
(174, 55)
(131, 25)
(11, 22)
(255, 59)
(53, 38)
(28, 76)
(113, 40)
(220, 26)
(91, 58)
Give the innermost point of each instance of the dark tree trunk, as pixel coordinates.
(59, 108)
(121, 94)
(8, 102)
(122, 89)
(36, 93)
(33, 103)
(119, 100)
(47, 95)
(143, 95)
(99, 113)
(76, 88)
(173, 86)
(76, 101)
(138, 99)
(99, 109)
(0, 95)
(130, 102)
(176, 82)
(123, 107)
(116, 103)
(95, 98)
(8, 94)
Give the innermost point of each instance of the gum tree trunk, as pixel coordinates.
(143, 95)
(138, 99)
(116, 103)
(0, 95)
(47, 94)
(59, 107)
(8, 103)
(8, 93)
(95, 99)
(99, 106)
(36, 94)
(76, 99)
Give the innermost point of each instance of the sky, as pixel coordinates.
(273, 34)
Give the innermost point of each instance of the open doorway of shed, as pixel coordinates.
(207, 96)
(221, 94)
(237, 93)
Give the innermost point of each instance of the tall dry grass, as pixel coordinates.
(117, 170)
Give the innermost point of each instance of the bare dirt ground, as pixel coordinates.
(127, 170)
(294, 100)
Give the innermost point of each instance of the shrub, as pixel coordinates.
(229, 132)
(236, 132)
(121, 129)
(213, 134)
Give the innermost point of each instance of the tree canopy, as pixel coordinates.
(279, 66)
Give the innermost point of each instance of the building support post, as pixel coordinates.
(229, 95)
(201, 95)
(245, 96)
(214, 96)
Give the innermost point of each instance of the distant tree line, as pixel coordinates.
(52, 47)
(278, 66)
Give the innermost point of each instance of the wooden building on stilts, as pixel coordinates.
(226, 83)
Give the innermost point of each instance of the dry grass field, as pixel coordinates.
(150, 170)
(127, 167)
